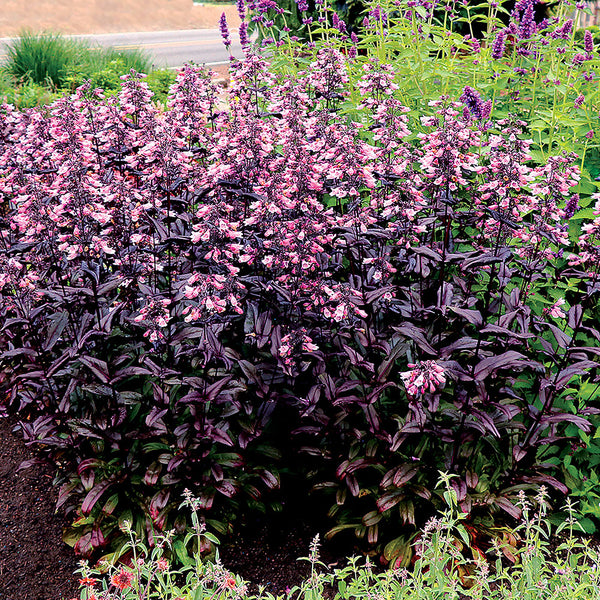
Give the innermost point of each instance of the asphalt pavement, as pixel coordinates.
(165, 48)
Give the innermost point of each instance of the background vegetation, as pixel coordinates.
(41, 67)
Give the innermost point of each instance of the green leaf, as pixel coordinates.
(586, 213)
(181, 552)
(211, 538)
(199, 593)
(464, 536)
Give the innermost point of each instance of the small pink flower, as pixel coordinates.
(555, 310)
(162, 564)
(423, 377)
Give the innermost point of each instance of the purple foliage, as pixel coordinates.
(196, 297)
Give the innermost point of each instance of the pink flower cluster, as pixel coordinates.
(192, 206)
(423, 377)
(294, 344)
(155, 315)
(589, 244)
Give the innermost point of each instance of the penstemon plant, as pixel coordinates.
(199, 296)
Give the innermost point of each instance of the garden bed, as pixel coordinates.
(35, 564)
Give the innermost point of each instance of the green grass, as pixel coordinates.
(58, 63)
(43, 66)
(42, 59)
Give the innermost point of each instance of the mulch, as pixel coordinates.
(36, 565)
(34, 562)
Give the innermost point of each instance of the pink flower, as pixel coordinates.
(423, 377)
(555, 310)
(162, 564)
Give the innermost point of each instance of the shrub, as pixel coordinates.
(198, 297)
(160, 82)
(26, 95)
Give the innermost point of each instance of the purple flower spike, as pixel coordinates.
(224, 31)
(527, 27)
(302, 5)
(499, 45)
(243, 33)
(572, 206)
(566, 29)
(338, 23)
(486, 109)
(588, 42)
(241, 8)
(473, 102)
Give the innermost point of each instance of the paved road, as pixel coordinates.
(165, 48)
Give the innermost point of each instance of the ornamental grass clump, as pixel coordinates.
(303, 285)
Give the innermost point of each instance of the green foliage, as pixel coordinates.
(104, 68)
(27, 95)
(58, 63)
(42, 59)
(441, 568)
(159, 81)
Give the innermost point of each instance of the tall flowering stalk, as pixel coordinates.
(305, 269)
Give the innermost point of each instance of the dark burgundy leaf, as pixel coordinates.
(472, 316)
(582, 423)
(507, 360)
(227, 487)
(94, 495)
(507, 506)
(58, 323)
(574, 316)
(96, 366)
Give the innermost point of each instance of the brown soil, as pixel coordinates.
(36, 565)
(110, 16)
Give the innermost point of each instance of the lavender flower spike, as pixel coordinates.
(572, 206)
(499, 45)
(566, 29)
(243, 33)
(241, 9)
(224, 31)
(302, 5)
(588, 42)
(473, 102)
(527, 27)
